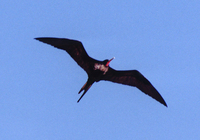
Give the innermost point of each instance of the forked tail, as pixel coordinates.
(85, 87)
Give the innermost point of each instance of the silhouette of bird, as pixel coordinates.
(100, 70)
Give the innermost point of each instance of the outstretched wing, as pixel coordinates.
(73, 47)
(136, 79)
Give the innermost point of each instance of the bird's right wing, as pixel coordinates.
(136, 79)
(73, 47)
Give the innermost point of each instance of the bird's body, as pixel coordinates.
(100, 70)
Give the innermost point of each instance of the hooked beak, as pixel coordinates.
(107, 64)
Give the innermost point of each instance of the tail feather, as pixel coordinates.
(85, 87)
(82, 88)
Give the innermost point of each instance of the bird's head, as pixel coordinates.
(107, 62)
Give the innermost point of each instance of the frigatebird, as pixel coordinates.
(100, 70)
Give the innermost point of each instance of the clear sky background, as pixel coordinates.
(39, 83)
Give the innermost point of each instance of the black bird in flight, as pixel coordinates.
(100, 70)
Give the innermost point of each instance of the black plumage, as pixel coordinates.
(100, 70)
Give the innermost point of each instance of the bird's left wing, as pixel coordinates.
(73, 47)
(136, 79)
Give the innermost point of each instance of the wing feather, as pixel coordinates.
(73, 47)
(136, 79)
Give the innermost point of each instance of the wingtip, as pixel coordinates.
(37, 38)
(164, 103)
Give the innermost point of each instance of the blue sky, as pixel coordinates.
(39, 83)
